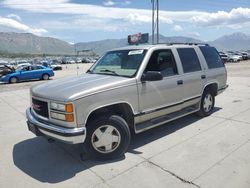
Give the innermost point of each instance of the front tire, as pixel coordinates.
(45, 77)
(207, 103)
(107, 138)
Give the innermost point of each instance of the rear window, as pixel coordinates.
(212, 57)
(189, 60)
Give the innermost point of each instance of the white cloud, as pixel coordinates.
(10, 23)
(233, 18)
(66, 7)
(177, 28)
(221, 18)
(194, 34)
(14, 16)
(97, 24)
(127, 2)
(109, 3)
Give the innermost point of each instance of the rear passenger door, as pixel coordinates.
(193, 76)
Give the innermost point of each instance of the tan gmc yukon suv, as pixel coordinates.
(131, 89)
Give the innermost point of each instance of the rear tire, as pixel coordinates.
(45, 77)
(107, 138)
(207, 103)
(13, 80)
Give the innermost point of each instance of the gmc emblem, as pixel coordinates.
(36, 107)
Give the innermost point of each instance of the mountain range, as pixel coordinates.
(31, 44)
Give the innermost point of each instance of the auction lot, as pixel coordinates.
(190, 152)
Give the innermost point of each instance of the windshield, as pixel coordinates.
(119, 63)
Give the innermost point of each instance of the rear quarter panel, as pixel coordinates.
(214, 75)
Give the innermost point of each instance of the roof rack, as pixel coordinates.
(185, 43)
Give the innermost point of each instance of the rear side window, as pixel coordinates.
(212, 57)
(189, 60)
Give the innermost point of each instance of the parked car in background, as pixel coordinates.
(5, 69)
(21, 65)
(234, 58)
(30, 72)
(238, 54)
(224, 57)
(244, 55)
(55, 66)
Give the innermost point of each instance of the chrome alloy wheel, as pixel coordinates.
(106, 139)
(208, 102)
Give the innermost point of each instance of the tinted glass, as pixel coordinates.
(189, 60)
(162, 61)
(212, 57)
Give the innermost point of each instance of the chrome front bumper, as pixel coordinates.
(67, 135)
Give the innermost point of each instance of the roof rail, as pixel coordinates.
(185, 43)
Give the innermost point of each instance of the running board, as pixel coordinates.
(165, 119)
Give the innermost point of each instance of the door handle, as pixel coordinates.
(179, 82)
(203, 76)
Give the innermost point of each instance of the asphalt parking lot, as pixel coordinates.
(190, 152)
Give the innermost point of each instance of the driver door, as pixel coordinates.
(157, 98)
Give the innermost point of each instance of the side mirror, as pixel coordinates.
(151, 76)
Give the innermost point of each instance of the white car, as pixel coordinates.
(21, 65)
(56, 66)
(234, 58)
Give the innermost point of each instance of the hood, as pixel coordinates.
(72, 88)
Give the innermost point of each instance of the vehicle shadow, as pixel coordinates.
(58, 162)
(50, 163)
(146, 137)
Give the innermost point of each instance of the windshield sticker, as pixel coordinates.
(135, 52)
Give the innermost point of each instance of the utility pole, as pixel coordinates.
(155, 20)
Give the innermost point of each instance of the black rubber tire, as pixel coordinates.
(13, 80)
(202, 111)
(45, 77)
(120, 124)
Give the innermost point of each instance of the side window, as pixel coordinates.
(212, 57)
(164, 62)
(189, 60)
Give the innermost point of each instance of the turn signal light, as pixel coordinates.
(69, 117)
(69, 108)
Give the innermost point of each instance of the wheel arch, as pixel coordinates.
(13, 76)
(122, 109)
(213, 86)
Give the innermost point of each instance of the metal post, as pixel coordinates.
(157, 20)
(153, 20)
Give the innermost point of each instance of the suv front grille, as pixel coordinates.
(40, 107)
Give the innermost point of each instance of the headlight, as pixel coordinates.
(62, 112)
(62, 107)
(63, 117)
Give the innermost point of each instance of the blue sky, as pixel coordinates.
(91, 20)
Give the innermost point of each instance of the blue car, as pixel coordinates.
(31, 72)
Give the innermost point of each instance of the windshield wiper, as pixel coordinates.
(109, 71)
(89, 71)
